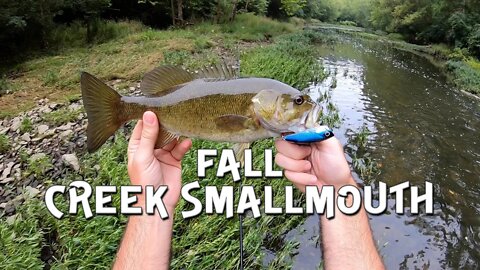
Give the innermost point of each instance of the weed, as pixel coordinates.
(202, 43)
(466, 75)
(61, 116)
(26, 125)
(249, 27)
(4, 143)
(50, 78)
(292, 60)
(362, 161)
(39, 165)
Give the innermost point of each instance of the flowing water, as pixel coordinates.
(421, 130)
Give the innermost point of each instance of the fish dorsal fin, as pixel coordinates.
(219, 72)
(163, 80)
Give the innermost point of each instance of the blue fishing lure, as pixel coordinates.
(311, 135)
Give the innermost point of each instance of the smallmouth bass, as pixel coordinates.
(213, 104)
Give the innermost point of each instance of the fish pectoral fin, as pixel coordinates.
(239, 150)
(164, 137)
(163, 80)
(233, 122)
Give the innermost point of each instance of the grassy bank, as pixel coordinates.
(36, 240)
(130, 51)
(462, 69)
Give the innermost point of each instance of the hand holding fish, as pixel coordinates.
(150, 166)
(321, 163)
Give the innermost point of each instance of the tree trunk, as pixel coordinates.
(234, 10)
(180, 11)
(172, 7)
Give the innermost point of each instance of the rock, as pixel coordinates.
(65, 135)
(3, 205)
(11, 219)
(7, 170)
(6, 180)
(45, 109)
(16, 123)
(37, 156)
(4, 130)
(42, 129)
(72, 160)
(31, 191)
(131, 88)
(74, 107)
(25, 137)
(66, 126)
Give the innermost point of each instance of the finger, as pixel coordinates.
(149, 133)
(181, 149)
(134, 139)
(331, 145)
(300, 178)
(292, 164)
(292, 150)
(170, 145)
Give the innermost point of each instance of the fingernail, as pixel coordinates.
(149, 118)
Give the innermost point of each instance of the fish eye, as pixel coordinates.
(299, 100)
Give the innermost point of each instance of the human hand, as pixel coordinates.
(156, 167)
(321, 163)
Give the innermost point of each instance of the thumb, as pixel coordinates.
(149, 134)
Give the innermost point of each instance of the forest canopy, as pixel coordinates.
(30, 24)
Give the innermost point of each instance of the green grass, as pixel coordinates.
(291, 60)
(127, 52)
(4, 143)
(204, 242)
(61, 116)
(39, 166)
(26, 125)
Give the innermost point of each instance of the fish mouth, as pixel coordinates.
(312, 118)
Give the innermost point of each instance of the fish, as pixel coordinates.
(212, 104)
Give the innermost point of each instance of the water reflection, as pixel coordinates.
(422, 131)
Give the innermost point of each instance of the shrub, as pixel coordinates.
(253, 28)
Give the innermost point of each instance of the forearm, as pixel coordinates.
(146, 243)
(348, 242)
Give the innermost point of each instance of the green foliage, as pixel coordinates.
(358, 149)
(61, 116)
(466, 74)
(39, 165)
(21, 241)
(291, 60)
(292, 7)
(4, 143)
(254, 28)
(473, 41)
(26, 125)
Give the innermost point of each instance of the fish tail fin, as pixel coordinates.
(101, 103)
